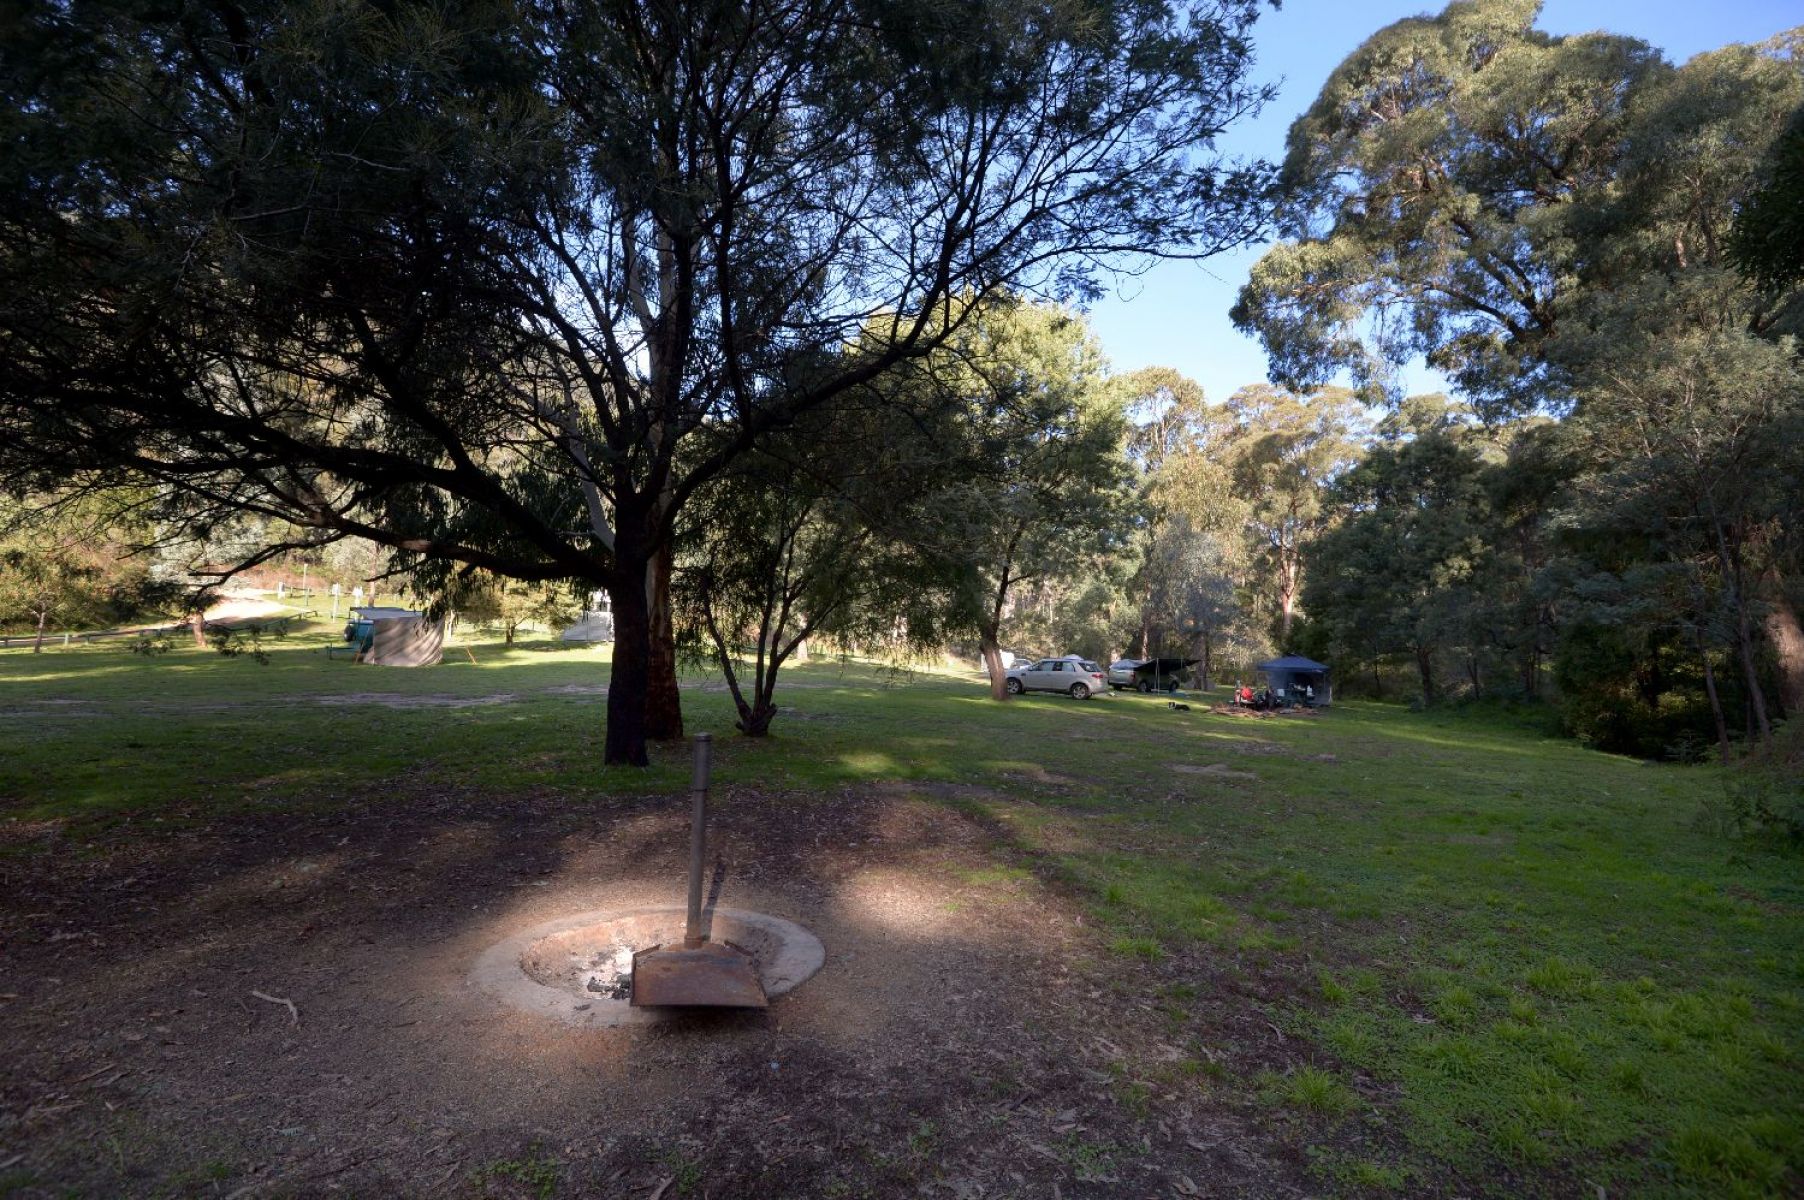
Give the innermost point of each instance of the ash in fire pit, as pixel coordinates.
(578, 970)
(611, 973)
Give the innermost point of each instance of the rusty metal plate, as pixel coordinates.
(711, 975)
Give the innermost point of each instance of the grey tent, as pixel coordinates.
(1292, 673)
(396, 637)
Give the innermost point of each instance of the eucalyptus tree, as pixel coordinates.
(1396, 576)
(1035, 482)
(1690, 435)
(501, 284)
(65, 562)
(809, 535)
(1549, 220)
(1192, 586)
(1698, 361)
(1767, 241)
(1429, 200)
(1287, 451)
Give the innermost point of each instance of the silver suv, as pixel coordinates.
(1076, 677)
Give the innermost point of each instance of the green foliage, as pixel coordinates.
(1436, 172)
(69, 562)
(1032, 488)
(1311, 1089)
(1759, 803)
(1429, 565)
(536, 1173)
(1768, 240)
(1288, 449)
(506, 285)
(813, 534)
(1545, 218)
(485, 597)
(232, 642)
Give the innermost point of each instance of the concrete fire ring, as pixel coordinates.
(551, 970)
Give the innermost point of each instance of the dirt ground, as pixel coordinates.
(970, 1035)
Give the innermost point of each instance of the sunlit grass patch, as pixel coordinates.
(1310, 1089)
(1523, 951)
(1145, 948)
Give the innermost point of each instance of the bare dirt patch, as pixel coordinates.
(403, 700)
(1215, 770)
(968, 1036)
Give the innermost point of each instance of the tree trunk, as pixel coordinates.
(663, 703)
(1472, 674)
(37, 647)
(1750, 672)
(1716, 704)
(1730, 560)
(1205, 657)
(1287, 599)
(992, 662)
(1787, 636)
(197, 624)
(627, 683)
(754, 720)
(1425, 666)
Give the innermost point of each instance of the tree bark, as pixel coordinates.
(1205, 657)
(663, 703)
(1729, 558)
(1425, 666)
(627, 684)
(1716, 704)
(1786, 634)
(1287, 597)
(754, 720)
(992, 662)
(197, 624)
(37, 647)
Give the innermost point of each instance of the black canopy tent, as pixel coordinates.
(1161, 674)
(1288, 676)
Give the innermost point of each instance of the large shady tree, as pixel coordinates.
(502, 283)
(1553, 221)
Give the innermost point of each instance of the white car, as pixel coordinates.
(1078, 678)
(1121, 673)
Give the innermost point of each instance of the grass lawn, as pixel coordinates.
(1511, 964)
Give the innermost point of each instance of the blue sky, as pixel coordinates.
(1176, 315)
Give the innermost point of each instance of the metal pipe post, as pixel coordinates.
(698, 838)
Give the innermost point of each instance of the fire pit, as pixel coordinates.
(578, 970)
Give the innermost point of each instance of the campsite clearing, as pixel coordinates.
(1122, 949)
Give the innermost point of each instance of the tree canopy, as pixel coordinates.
(503, 285)
(1555, 222)
(1464, 179)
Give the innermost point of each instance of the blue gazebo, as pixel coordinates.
(1288, 676)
